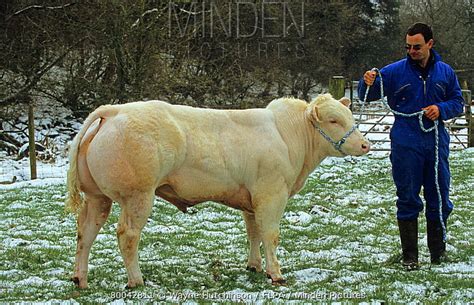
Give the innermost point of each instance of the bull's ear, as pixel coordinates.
(313, 113)
(345, 101)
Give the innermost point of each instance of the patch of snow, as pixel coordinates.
(326, 176)
(299, 217)
(32, 281)
(14, 242)
(42, 182)
(412, 289)
(352, 277)
(54, 272)
(461, 267)
(312, 275)
(11, 273)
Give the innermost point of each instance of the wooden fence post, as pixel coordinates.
(31, 142)
(469, 119)
(337, 86)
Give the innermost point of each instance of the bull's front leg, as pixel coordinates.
(254, 262)
(268, 215)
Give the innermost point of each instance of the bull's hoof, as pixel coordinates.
(277, 282)
(252, 269)
(280, 282)
(130, 287)
(78, 282)
(135, 285)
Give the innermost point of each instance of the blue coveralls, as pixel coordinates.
(412, 150)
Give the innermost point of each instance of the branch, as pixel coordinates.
(155, 10)
(40, 7)
(37, 77)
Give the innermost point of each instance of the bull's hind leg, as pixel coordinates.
(255, 258)
(134, 215)
(91, 219)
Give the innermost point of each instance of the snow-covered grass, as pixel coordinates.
(339, 241)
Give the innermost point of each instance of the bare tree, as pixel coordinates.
(453, 25)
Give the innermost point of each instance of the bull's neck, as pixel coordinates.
(293, 131)
(316, 151)
(305, 149)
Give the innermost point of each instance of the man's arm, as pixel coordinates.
(454, 104)
(371, 79)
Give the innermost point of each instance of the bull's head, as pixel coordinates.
(334, 122)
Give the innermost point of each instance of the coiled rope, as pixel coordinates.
(419, 114)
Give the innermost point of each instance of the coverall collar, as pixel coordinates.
(434, 57)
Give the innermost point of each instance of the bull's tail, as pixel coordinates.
(74, 200)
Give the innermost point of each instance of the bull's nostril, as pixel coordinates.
(365, 146)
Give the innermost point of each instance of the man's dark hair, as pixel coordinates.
(421, 28)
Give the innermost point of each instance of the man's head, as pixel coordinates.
(419, 41)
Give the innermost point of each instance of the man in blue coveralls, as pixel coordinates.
(421, 81)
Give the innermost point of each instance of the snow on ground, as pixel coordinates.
(54, 128)
(329, 171)
(19, 171)
(227, 228)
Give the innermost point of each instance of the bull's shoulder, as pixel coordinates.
(289, 113)
(287, 103)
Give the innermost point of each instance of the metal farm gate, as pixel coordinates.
(375, 125)
(375, 122)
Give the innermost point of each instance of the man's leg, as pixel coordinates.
(436, 243)
(407, 172)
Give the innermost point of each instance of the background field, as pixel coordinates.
(339, 241)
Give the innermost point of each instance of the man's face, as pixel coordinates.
(417, 48)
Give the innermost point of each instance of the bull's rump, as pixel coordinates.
(188, 155)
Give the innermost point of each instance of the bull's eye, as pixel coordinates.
(333, 121)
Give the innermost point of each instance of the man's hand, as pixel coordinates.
(431, 112)
(369, 77)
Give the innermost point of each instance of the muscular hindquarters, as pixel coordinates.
(129, 155)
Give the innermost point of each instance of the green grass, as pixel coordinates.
(339, 240)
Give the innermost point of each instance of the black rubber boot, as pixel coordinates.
(409, 240)
(436, 244)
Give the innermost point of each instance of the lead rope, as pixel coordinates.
(420, 120)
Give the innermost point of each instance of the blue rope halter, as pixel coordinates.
(337, 145)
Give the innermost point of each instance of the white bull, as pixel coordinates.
(252, 160)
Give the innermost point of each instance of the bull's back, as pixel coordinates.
(215, 120)
(215, 134)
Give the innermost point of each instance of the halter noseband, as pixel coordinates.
(337, 145)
